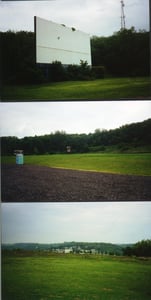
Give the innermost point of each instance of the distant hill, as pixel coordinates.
(76, 247)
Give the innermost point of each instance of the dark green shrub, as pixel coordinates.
(72, 72)
(84, 71)
(57, 72)
(97, 148)
(32, 75)
(98, 72)
(79, 72)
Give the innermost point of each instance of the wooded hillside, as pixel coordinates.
(126, 138)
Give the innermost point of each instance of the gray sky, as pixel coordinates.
(115, 222)
(97, 17)
(39, 118)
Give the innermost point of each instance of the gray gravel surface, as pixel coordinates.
(28, 183)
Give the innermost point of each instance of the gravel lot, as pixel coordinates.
(28, 183)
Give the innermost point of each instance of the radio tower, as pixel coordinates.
(122, 15)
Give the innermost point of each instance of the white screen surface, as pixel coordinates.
(55, 42)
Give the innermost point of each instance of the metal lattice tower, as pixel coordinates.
(122, 15)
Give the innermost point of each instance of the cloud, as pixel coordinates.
(119, 222)
(97, 17)
(39, 118)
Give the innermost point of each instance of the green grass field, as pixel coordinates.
(110, 88)
(134, 164)
(75, 277)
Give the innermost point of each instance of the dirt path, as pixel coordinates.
(28, 183)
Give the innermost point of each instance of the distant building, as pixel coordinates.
(59, 250)
(94, 251)
(68, 149)
(68, 250)
(63, 250)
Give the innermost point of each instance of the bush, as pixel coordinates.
(98, 72)
(97, 149)
(33, 76)
(85, 72)
(57, 72)
(28, 75)
(79, 72)
(72, 72)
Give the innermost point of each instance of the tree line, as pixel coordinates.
(123, 139)
(125, 53)
(140, 249)
(77, 247)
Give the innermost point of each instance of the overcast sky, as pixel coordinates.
(115, 222)
(96, 17)
(39, 118)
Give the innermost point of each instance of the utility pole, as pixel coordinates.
(122, 15)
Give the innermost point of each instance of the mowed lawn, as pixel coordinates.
(110, 88)
(130, 164)
(75, 277)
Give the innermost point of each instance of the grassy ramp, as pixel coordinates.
(130, 164)
(76, 277)
(110, 88)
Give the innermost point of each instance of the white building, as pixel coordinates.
(68, 250)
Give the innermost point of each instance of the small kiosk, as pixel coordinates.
(68, 148)
(19, 157)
